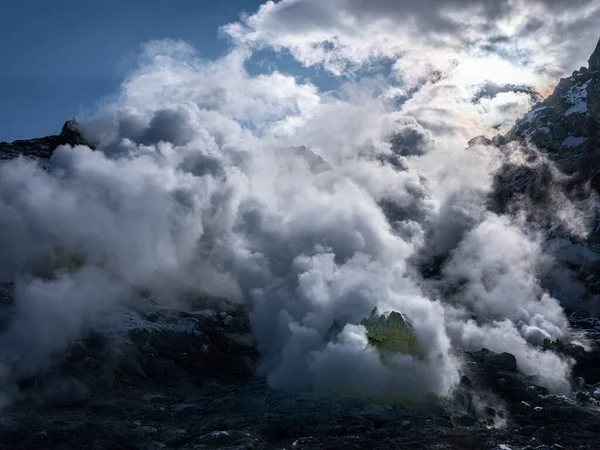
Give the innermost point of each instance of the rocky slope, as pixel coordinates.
(184, 378)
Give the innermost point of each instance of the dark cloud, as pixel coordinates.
(490, 90)
(410, 139)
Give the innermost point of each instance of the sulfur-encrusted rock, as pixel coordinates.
(390, 333)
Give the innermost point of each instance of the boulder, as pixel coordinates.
(503, 362)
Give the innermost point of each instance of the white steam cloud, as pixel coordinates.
(199, 185)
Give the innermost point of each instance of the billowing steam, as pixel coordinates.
(201, 184)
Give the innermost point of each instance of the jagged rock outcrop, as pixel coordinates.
(44, 147)
(566, 125)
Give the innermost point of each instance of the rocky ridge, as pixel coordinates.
(43, 148)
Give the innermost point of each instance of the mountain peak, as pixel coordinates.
(44, 147)
(71, 133)
(69, 126)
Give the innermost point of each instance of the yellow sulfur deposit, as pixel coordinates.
(390, 333)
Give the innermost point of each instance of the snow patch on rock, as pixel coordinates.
(574, 141)
(577, 96)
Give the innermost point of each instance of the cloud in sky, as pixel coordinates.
(547, 37)
(445, 50)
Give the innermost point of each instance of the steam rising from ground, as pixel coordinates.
(199, 186)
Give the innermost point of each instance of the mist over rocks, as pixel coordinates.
(306, 211)
(181, 199)
(227, 225)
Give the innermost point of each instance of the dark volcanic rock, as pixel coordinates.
(498, 373)
(44, 147)
(502, 362)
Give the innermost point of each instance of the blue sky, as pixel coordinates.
(58, 58)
